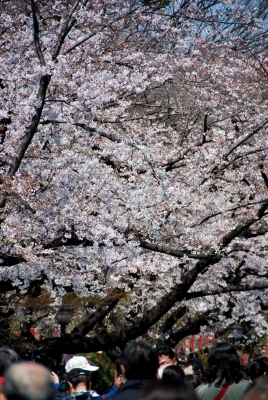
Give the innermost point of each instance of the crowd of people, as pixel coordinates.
(141, 373)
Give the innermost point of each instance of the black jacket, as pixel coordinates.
(131, 390)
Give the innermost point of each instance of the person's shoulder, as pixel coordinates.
(202, 388)
(243, 383)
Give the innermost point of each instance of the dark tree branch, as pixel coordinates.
(191, 327)
(31, 130)
(264, 176)
(69, 23)
(36, 35)
(86, 128)
(84, 40)
(172, 319)
(9, 260)
(240, 228)
(246, 287)
(244, 139)
(108, 304)
(205, 219)
(173, 252)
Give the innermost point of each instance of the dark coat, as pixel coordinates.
(130, 390)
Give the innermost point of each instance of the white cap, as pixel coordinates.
(79, 362)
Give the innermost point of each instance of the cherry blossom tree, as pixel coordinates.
(133, 173)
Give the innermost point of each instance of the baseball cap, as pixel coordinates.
(79, 362)
(74, 373)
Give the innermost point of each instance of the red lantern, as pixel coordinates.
(200, 341)
(207, 340)
(33, 331)
(191, 345)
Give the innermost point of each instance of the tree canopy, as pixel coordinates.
(134, 170)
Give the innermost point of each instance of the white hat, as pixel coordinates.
(79, 362)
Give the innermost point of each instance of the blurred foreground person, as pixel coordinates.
(224, 375)
(27, 381)
(193, 370)
(257, 369)
(118, 381)
(258, 389)
(173, 373)
(139, 364)
(193, 380)
(162, 390)
(7, 357)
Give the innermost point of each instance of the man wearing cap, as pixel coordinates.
(78, 378)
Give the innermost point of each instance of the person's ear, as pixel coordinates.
(70, 387)
(123, 369)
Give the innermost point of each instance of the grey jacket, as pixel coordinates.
(209, 391)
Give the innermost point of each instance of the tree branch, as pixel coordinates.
(174, 252)
(36, 35)
(83, 40)
(228, 289)
(30, 131)
(172, 319)
(205, 219)
(240, 228)
(108, 304)
(69, 23)
(191, 328)
(244, 139)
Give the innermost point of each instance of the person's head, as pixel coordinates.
(223, 364)
(166, 355)
(173, 373)
(139, 361)
(161, 390)
(77, 379)
(7, 357)
(257, 368)
(27, 381)
(193, 365)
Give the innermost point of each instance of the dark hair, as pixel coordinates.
(161, 390)
(193, 380)
(223, 364)
(7, 357)
(118, 370)
(76, 376)
(173, 373)
(265, 359)
(28, 381)
(257, 368)
(140, 361)
(196, 364)
(165, 350)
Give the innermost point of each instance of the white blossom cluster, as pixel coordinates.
(121, 157)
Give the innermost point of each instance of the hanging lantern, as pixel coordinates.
(200, 342)
(33, 331)
(192, 344)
